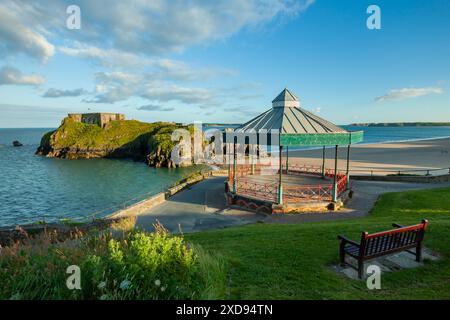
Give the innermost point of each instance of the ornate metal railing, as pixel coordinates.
(307, 193)
(341, 183)
(291, 193)
(303, 169)
(243, 170)
(263, 191)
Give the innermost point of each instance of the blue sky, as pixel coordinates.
(223, 60)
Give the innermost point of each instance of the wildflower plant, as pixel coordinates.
(139, 265)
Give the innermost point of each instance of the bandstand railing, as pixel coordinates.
(243, 170)
(307, 193)
(291, 193)
(263, 191)
(303, 169)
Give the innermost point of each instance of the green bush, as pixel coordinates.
(137, 266)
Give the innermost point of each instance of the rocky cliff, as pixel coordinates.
(149, 142)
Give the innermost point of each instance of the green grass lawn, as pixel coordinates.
(294, 261)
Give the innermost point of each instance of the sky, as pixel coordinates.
(223, 61)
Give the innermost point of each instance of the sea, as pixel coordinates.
(37, 189)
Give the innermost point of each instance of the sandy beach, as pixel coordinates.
(383, 158)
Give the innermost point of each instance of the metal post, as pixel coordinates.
(280, 185)
(335, 191)
(228, 160)
(348, 167)
(323, 162)
(253, 160)
(287, 160)
(234, 167)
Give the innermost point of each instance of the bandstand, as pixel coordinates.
(255, 182)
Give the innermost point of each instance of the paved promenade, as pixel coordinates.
(202, 207)
(197, 208)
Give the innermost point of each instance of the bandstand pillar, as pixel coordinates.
(335, 187)
(287, 160)
(280, 183)
(228, 159)
(253, 159)
(234, 166)
(323, 162)
(348, 167)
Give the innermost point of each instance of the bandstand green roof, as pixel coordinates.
(297, 126)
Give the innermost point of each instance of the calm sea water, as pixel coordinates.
(387, 134)
(35, 188)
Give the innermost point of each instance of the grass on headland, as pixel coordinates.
(129, 133)
(294, 261)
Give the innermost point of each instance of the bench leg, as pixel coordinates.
(342, 253)
(360, 268)
(419, 252)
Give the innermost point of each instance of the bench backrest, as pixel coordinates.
(392, 240)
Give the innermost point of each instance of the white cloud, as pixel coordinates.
(159, 26)
(156, 68)
(137, 26)
(12, 76)
(408, 93)
(135, 36)
(153, 107)
(109, 58)
(119, 86)
(18, 33)
(244, 111)
(59, 93)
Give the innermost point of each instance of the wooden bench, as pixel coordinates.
(383, 243)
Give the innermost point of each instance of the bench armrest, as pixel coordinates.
(346, 240)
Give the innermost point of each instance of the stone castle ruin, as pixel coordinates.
(100, 119)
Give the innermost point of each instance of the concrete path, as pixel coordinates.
(365, 195)
(203, 207)
(194, 209)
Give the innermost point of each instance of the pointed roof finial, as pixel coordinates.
(285, 99)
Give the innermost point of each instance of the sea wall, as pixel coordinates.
(61, 232)
(412, 179)
(147, 204)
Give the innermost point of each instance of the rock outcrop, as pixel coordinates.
(149, 142)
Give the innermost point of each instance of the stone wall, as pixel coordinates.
(147, 204)
(100, 119)
(412, 179)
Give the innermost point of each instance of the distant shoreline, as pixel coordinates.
(401, 124)
(363, 124)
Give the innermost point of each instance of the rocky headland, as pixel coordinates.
(141, 141)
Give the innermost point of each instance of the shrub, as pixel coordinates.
(139, 265)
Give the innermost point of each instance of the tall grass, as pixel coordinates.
(138, 265)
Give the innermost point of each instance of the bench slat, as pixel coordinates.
(383, 243)
(416, 227)
(389, 242)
